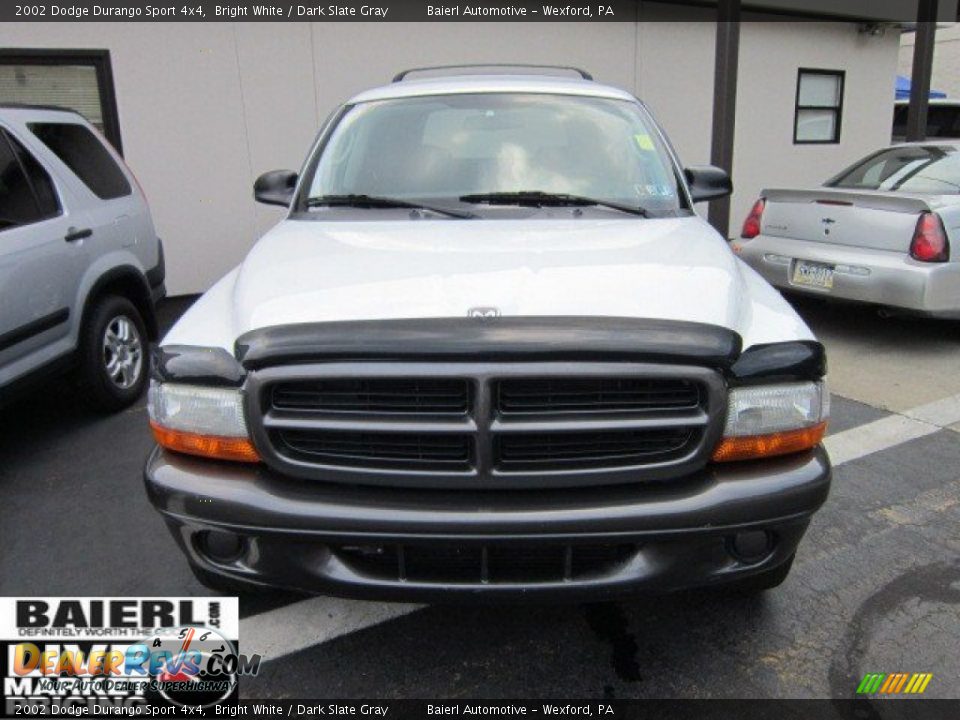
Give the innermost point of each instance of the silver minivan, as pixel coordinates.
(81, 266)
(943, 119)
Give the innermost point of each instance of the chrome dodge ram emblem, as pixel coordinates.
(483, 312)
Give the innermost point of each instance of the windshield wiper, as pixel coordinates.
(374, 201)
(539, 198)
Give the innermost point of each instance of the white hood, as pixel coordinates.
(309, 271)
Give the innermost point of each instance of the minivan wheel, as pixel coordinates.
(113, 354)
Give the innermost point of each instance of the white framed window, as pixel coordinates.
(819, 106)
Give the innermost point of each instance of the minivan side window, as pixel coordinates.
(85, 155)
(26, 191)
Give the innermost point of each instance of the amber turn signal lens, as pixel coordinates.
(760, 446)
(222, 448)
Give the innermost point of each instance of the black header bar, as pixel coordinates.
(871, 11)
(849, 709)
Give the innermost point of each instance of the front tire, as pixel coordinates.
(113, 354)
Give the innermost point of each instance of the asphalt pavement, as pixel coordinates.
(875, 588)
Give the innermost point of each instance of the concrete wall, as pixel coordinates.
(770, 56)
(946, 60)
(205, 108)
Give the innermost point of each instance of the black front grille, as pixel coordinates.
(594, 395)
(485, 424)
(375, 449)
(492, 564)
(548, 451)
(374, 395)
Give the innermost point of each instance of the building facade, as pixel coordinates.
(202, 109)
(946, 59)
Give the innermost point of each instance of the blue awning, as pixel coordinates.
(903, 89)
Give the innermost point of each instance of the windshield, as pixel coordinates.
(446, 147)
(919, 169)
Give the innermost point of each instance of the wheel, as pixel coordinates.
(113, 354)
(766, 580)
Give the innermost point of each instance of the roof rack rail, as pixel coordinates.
(400, 76)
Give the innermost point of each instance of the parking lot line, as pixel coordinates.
(873, 437)
(309, 622)
(316, 620)
(894, 430)
(943, 412)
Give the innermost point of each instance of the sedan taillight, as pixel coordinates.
(751, 226)
(930, 242)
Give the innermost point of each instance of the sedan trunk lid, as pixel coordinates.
(855, 218)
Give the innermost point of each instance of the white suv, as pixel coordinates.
(81, 266)
(491, 351)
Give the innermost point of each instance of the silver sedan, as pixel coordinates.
(879, 232)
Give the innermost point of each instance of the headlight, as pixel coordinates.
(767, 420)
(199, 420)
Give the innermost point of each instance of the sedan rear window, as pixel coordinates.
(85, 155)
(919, 169)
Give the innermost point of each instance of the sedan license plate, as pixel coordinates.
(811, 274)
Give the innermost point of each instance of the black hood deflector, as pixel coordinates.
(493, 339)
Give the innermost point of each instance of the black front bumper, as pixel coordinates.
(346, 540)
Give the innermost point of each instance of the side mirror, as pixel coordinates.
(275, 187)
(707, 182)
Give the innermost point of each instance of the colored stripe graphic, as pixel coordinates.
(870, 683)
(894, 683)
(866, 685)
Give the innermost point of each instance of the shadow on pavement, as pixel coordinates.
(864, 322)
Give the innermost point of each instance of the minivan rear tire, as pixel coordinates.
(112, 331)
